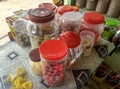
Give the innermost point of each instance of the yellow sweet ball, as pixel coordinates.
(27, 85)
(20, 71)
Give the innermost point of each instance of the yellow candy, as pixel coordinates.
(18, 81)
(20, 71)
(27, 85)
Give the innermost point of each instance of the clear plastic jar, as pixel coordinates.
(35, 62)
(41, 26)
(95, 22)
(70, 21)
(87, 42)
(53, 55)
(21, 32)
(73, 42)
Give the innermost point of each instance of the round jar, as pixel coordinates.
(34, 61)
(53, 55)
(95, 22)
(41, 26)
(70, 21)
(73, 42)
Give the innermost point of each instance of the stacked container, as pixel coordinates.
(53, 55)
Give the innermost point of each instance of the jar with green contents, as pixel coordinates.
(110, 29)
(41, 26)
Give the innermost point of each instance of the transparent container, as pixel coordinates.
(87, 42)
(17, 76)
(70, 21)
(34, 61)
(73, 42)
(53, 55)
(41, 26)
(20, 27)
(95, 22)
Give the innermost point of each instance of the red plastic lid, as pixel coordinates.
(41, 15)
(70, 38)
(34, 55)
(94, 18)
(48, 5)
(63, 9)
(53, 50)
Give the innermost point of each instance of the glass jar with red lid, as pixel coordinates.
(41, 26)
(93, 21)
(35, 61)
(53, 54)
(73, 42)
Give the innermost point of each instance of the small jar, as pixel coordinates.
(95, 22)
(41, 26)
(34, 61)
(70, 21)
(21, 32)
(73, 42)
(53, 55)
(87, 42)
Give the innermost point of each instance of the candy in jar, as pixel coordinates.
(34, 61)
(73, 42)
(53, 55)
(70, 21)
(87, 41)
(41, 26)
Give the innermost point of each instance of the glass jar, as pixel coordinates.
(48, 5)
(70, 21)
(21, 32)
(87, 41)
(95, 22)
(35, 62)
(73, 42)
(110, 29)
(41, 26)
(53, 55)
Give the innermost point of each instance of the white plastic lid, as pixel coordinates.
(72, 16)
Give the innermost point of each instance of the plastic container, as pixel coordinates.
(48, 5)
(70, 21)
(41, 26)
(34, 62)
(95, 22)
(53, 55)
(14, 74)
(73, 42)
(87, 41)
(110, 29)
(21, 32)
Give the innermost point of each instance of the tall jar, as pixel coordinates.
(95, 22)
(41, 26)
(21, 32)
(73, 42)
(70, 21)
(35, 62)
(53, 55)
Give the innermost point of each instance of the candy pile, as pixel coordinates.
(54, 73)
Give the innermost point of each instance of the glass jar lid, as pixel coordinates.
(48, 5)
(53, 50)
(34, 55)
(70, 38)
(41, 15)
(93, 17)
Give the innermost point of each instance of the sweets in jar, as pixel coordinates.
(53, 55)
